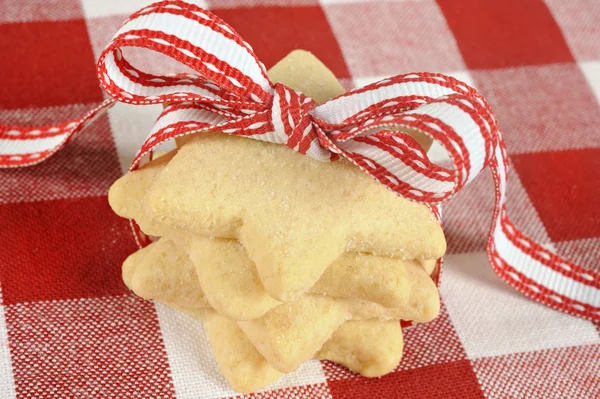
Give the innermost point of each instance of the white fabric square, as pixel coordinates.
(130, 126)
(492, 319)
(591, 70)
(194, 369)
(97, 8)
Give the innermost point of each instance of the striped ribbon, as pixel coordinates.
(231, 93)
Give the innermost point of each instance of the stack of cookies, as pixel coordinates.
(285, 258)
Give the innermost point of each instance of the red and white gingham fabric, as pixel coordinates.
(68, 327)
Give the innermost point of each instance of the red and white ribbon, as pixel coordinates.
(231, 93)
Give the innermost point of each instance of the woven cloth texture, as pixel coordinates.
(69, 328)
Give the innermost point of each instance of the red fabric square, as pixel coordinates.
(47, 63)
(551, 374)
(88, 348)
(275, 31)
(432, 343)
(62, 249)
(563, 188)
(504, 33)
(87, 166)
(443, 381)
(540, 108)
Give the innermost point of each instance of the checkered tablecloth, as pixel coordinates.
(70, 329)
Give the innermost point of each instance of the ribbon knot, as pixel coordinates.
(291, 119)
(230, 92)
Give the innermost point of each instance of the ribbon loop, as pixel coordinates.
(458, 119)
(228, 70)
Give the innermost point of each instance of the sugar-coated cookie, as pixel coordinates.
(126, 194)
(285, 211)
(423, 303)
(227, 280)
(235, 290)
(230, 282)
(371, 278)
(244, 368)
(370, 347)
(294, 331)
(160, 271)
(130, 265)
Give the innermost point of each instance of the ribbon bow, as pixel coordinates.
(231, 93)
